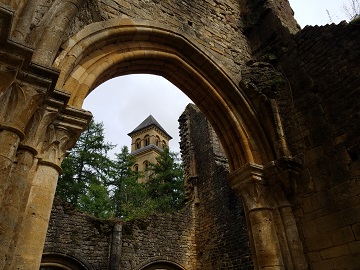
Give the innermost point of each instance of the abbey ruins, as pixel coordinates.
(283, 102)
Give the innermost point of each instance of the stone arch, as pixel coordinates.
(122, 46)
(104, 50)
(63, 261)
(161, 264)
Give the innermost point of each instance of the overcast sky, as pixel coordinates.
(124, 102)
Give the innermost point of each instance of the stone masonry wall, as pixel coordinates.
(216, 26)
(221, 237)
(326, 90)
(91, 241)
(209, 233)
(314, 77)
(168, 237)
(79, 235)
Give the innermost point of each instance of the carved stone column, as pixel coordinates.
(259, 202)
(48, 38)
(282, 175)
(22, 174)
(19, 100)
(275, 238)
(57, 138)
(30, 150)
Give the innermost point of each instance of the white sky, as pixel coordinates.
(124, 102)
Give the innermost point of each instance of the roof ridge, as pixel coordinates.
(149, 121)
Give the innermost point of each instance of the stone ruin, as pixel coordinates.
(209, 233)
(283, 102)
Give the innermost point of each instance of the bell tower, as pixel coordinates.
(147, 141)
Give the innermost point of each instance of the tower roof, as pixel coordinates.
(149, 121)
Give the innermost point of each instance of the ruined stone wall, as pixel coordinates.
(306, 81)
(209, 233)
(314, 78)
(222, 240)
(79, 235)
(326, 90)
(140, 242)
(168, 237)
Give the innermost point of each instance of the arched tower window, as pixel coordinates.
(138, 144)
(146, 164)
(157, 140)
(147, 140)
(136, 167)
(163, 144)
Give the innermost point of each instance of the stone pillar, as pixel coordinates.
(249, 182)
(19, 100)
(282, 175)
(22, 174)
(31, 236)
(51, 31)
(116, 243)
(13, 200)
(9, 142)
(25, 194)
(275, 238)
(60, 135)
(22, 20)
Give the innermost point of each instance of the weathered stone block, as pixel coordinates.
(356, 230)
(342, 236)
(350, 215)
(334, 252)
(330, 222)
(324, 264)
(310, 229)
(318, 242)
(354, 247)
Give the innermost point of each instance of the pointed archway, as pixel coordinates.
(122, 46)
(47, 123)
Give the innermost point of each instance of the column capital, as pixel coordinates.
(50, 108)
(61, 135)
(248, 173)
(250, 182)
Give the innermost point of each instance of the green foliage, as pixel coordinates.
(163, 192)
(165, 186)
(86, 166)
(109, 188)
(96, 201)
(123, 185)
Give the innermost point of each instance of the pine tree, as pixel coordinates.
(165, 185)
(85, 172)
(123, 185)
(109, 188)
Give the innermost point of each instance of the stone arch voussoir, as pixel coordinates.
(65, 260)
(117, 47)
(160, 263)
